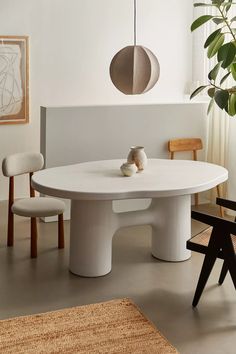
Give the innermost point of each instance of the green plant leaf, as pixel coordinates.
(233, 70)
(228, 5)
(218, 20)
(211, 92)
(215, 45)
(224, 78)
(226, 54)
(217, 2)
(200, 21)
(197, 4)
(232, 105)
(212, 37)
(233, 19)
(197, 91)
(210, 105)
(221, 98)
(214, 72)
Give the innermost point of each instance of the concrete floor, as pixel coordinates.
(162, 290)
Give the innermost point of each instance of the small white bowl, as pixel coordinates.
(128, 169)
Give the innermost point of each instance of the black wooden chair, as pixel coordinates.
(218, 241)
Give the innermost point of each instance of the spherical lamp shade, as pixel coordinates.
(134, 70)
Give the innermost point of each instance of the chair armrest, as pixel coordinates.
(229, 204)
(225, 225)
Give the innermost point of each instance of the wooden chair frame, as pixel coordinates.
(220, 246)
(190, 145)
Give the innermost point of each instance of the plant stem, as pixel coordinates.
(226, 22)
(217, 87)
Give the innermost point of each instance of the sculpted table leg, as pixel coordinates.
(93, 224)
(171, 227)
(92, 227)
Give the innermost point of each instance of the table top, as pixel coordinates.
(102, 180)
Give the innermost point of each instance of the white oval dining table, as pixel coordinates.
(92, 186)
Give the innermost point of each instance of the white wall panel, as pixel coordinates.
(77, 134)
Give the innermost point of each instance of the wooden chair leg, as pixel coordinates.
(34, 237)
(219, 195)
(208, 264)
(196, 199)
(10, 228)
(223, 273)
(60, 231)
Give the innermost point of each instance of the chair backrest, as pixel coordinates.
(189, 144)
(18, 164)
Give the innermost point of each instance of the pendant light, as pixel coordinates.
(134, 69)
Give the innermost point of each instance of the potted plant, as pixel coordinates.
(220, 45)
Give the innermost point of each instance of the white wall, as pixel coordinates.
(71, 45)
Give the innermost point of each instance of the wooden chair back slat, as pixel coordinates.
(178, 145)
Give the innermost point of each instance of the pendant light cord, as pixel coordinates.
(135, 23)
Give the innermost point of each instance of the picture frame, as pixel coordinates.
(14, 79)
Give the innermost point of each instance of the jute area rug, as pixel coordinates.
(115, 326)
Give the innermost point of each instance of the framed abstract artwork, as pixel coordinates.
(14, 79)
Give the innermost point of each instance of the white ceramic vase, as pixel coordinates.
(138, 156)
(128, 169)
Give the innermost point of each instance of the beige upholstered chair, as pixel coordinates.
(32, 207)
(191, 145)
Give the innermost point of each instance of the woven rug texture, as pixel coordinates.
(116, 326)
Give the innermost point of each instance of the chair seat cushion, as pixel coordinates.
(38, 207)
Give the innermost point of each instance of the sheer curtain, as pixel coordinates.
(217, 142)
(218, 124)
